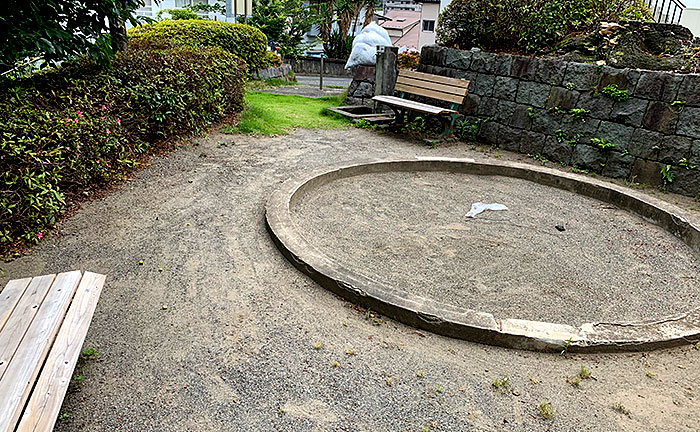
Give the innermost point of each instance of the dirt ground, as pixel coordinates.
(249, 344)
(409, 231)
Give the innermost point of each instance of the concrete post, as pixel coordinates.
(386, 71)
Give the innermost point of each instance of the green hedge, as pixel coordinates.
(245, 41)
(528, 26)
(79, 127)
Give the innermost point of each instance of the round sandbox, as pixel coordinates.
(572, 261)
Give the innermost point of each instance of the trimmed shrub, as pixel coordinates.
(178, 14)
(527, 26)
(245, 41)
(78, 127)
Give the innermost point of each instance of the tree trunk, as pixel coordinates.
(117, 34)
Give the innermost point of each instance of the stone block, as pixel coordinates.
(364, 73)
(588, 157)
(543, 121)
(550, 71)
(532, 142)
(503, 64)
(618, 165)
(465, 75)
(489, 132)
(674, 148)
(458, 59)
(661, 117)
(600, 107)
(695, 153)
(505, 88)
(646, 172)
(661, 86)
(488, 107)
(532, 93)
(617, 134)
(510, 138)
(470, 105)
(505, 111)
(584, 128)
(562, 98)
(689, 90)
(643, 143)
(630, 112)
(689, 122)
(433, 55)
(523, 67)
(483, 85)
(364, 90)
(483, 62)
(521, 117)
(557, 151)
(625, 79)
(685, 181)
(581, 76)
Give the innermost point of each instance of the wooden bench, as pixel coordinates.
(436, 87)
(43, 323)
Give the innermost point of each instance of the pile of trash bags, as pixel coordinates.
(364, 46)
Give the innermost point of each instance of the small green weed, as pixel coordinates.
(667, 175)
(602, 143)
(566, 345)
(89, 353)
(531, 113)
(685, 164)
(615, 93)
(364, 124)
(577, 170)
(317, 345)
(584, 373)
(64, 416)
(617, 406)
(649, 374)
(546, 410)
(439, 390)
(579, 113)
(574, 381)
(502, 384)
(570, 86)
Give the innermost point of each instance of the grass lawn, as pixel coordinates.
(272, 114)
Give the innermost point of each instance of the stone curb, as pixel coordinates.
(471, 325)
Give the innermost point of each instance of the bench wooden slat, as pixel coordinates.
(455, 82)
(413, 105)
(47, 397)
(17, 325)
(429, 93)
(443, 88)
(10, 297)
(15, 384)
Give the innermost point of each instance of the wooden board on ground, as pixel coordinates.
(40, 343)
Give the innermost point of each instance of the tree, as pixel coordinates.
(284, 23)
(58, 30)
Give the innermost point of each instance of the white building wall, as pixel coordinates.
(429, 12)
(691, 19)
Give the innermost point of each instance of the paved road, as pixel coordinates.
(312, 80)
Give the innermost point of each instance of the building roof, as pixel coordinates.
(401, 19)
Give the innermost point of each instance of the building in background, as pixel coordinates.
(403, 28)
(240, 8)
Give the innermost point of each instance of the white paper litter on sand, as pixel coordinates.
(479, 207)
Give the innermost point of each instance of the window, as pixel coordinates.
(428, 25)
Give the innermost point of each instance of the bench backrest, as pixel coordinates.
(438, 87)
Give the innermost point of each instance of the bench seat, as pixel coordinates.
(412, 105)
(43, 324)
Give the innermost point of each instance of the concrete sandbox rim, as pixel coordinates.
(467, 324)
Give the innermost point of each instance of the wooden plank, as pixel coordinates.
(429, 93)
(435, 78)
(412, 105)
(21, 319)
(47, 397)
(10, 297)
(444, 88)
(17, 381)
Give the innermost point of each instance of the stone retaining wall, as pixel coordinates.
(361, 89)
(312, 66)
(281, 72)
(528, 103)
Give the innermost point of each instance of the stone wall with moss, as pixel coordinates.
(623, 123)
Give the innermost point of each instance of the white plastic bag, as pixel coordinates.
(364, 46)
(362, 54)
(479, 207)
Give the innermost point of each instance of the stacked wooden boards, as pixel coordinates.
(43, 323)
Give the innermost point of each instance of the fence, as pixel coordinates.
(666, 11)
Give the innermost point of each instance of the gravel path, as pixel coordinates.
(249, 344)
